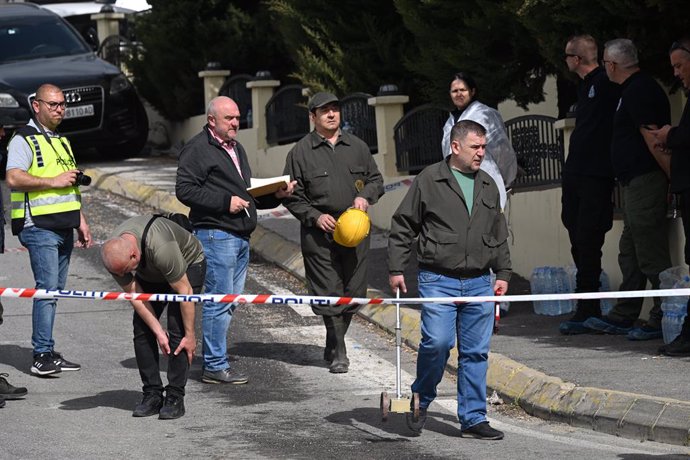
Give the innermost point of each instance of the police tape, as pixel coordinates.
(396, 185)
(27, 293)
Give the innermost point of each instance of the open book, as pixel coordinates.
(268, 185)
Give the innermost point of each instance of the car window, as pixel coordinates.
(37, 38)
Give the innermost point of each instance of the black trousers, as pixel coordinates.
(333, 270)
(146, 346)
(685, 217)
(587, 214)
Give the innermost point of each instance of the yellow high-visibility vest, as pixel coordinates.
(55, 208)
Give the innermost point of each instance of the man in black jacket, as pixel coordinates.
(677, 141)
(212, 179)
(587, 207)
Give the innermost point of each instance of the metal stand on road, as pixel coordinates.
(398, 404)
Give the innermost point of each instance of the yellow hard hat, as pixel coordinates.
(351, 228)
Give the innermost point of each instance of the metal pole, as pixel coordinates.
(398, 345)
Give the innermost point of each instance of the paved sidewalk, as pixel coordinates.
(602, 382)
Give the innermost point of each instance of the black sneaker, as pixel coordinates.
(150, 404)
(63, 364)
(8, 391)
(482, 431)
(224, 376)
(173, 407)
(416, 426)
(2, 402)
(679, 347)
(44, 365)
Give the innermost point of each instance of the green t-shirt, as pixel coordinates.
(170, 249)
(466, 183)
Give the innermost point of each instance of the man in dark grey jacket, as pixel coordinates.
(454, 209)
(212, 179)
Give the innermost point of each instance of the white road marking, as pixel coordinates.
(374, 374)
(302, 310)
(121, 209)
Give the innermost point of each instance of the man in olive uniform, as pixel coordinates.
(153, 254)
(334, 171)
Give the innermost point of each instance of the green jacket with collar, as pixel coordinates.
(451, 241)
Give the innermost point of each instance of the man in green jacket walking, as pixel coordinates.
(454, 209)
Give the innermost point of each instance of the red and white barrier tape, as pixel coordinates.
(26, 293)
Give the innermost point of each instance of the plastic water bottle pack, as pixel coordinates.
(675, 308)
(551, 280)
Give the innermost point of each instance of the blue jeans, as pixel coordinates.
(227, 258)
(472, 325)
(49, 251)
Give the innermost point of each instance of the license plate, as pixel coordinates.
(79, 111)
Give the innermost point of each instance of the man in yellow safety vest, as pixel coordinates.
(45, 208)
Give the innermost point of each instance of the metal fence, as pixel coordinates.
(235, 88)
(116, 49)
(418, 137)
(539, 149)
(287, 117)
(359, 118)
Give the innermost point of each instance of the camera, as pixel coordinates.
(82, 179)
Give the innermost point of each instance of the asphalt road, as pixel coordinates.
(292, 407)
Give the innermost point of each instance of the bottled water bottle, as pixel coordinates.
(675, 310)
(537, 281)
(561, 286)
(605, 286)
(550, 287)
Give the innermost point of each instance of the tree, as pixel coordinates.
(352, 46)
(479, 37)
(180, 37)
(651, 24)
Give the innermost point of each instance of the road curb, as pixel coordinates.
(618, 413)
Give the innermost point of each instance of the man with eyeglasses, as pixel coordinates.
(676, 141)
(588, 180)
(46, 208)
(642, 172)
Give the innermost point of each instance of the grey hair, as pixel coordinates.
(622, 51)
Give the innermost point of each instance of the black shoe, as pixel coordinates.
(416, 426)
(173, 407)
(44, 365)
(679, 347)
(63, 364)
(2, 402)
(8, 391)
(482, 431)
(150, 405)
(224, 376)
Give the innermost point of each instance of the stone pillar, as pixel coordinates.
(262, 90)
(567, 125)
(214, 77)
(389, 110)
(107, 24)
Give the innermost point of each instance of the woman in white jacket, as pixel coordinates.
(499, 161)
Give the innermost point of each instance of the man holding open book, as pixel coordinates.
(212, 179)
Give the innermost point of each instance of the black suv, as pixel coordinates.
(103, 109)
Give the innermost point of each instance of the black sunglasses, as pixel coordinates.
(678, 46)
